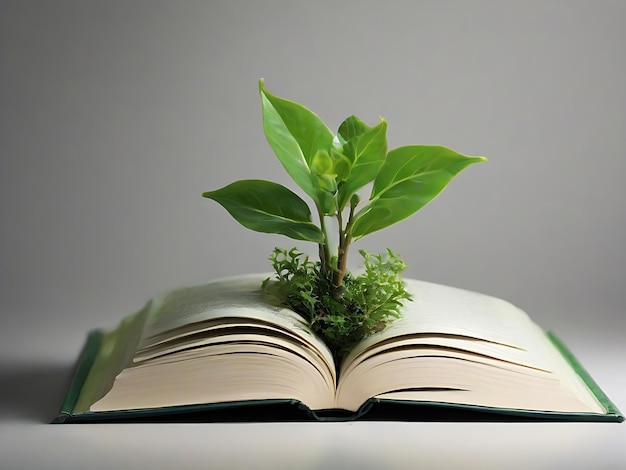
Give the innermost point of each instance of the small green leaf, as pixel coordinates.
(268, 207)
(296, 135)
(341, 165)
(322, 163)
(327, 203)
(366, 148)
(352, 127)
(410, 178)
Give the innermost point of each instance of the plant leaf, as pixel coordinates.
(410, 178)
(351, 127)
(295, 134)
(267, 207)
(366, 148)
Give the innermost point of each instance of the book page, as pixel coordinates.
(210, 375)
(245, 336)
(442, 310)
(188, 309)
(460, 346)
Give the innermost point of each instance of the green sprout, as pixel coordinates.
(331, 169)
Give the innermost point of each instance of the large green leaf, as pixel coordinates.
(366, 148)
(295, 134)
(410, 178)
(267, 207)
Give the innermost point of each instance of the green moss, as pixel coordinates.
(341, 316)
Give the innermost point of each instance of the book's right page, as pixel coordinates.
(462, 347)
(451, 317)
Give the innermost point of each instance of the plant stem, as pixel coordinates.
(324, 250)
(342, 263)
(345, 237)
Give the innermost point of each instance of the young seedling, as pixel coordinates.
(331, 169)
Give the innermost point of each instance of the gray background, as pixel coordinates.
(115, 116)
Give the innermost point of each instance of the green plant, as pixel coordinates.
(331, 169)
(365, 304)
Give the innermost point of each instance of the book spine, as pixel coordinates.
(82, 368)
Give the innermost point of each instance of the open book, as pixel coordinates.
(225, 346)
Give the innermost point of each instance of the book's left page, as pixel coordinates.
(190, 311)
(221, 342)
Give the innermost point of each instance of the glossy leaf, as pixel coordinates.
(342, 166)
(410, 178)
(351, 127)
(268, 207)
(296, 135)
(322, 163)
(366, 148)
